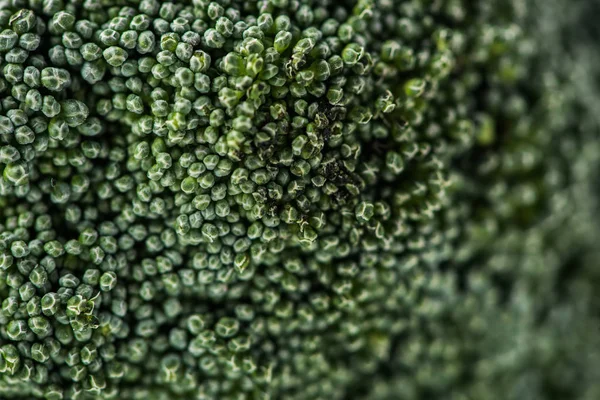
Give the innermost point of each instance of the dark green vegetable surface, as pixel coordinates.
(299, 199)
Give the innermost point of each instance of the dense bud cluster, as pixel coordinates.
(287, 199)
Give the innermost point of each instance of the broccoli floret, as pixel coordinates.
(297, 199)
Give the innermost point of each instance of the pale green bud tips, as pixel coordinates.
(16, 173)
(135, 104)
(50, 304)
(16, 330)
(29, 41)
(251, 45)
(160, 108)
(184, 51)
(414, 87)
(189, 185)
(352, 54)
(321, 70)
(304, 46)
(6, 125)
(40, 326)
(146, 42)
(8, 39)
(200, 61)
(61, 22)
(361, 115)
(233, 64)
(38, 276)
(390, 51)
(50, 106)
(109, 37)
(128, 39)
(40, 352)
(227, 327)
(11, 359)
(55, 79)
(385, 103)
(74, 112)
(394, 162)
(33, 100)
(58, 128)
(196, 324)
(23, 21)
(115, 56)
(364, 211)
(24, 135)
(224, 26)
(213, 39)
(108, 281)
(9, 154)
(164, 160)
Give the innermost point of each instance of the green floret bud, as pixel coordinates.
(146, 42)
(40, 352)
(213, 39)
(200, 61)
(352, 54)
(16, 173)
(29, 41)
(90, 51)
(282, 41)
(224, 26)
(62, 22)
(8, 39)
(233, 64)
(108, 281)
(55, 79)
(22, 22)
(115, 56)
(135, 104)
(74, 112)
(227, 327)
(414, 87)
(16, 330)
(50, 106)
(11, 360)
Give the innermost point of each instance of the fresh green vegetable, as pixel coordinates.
(298, 199)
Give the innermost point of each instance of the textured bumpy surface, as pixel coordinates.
(299, 199)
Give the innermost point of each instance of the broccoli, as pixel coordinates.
(299, 199)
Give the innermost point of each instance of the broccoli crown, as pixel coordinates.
(297, 199)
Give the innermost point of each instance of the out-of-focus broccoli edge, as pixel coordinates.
(299, 199)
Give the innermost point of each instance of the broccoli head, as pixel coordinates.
(298, 199)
